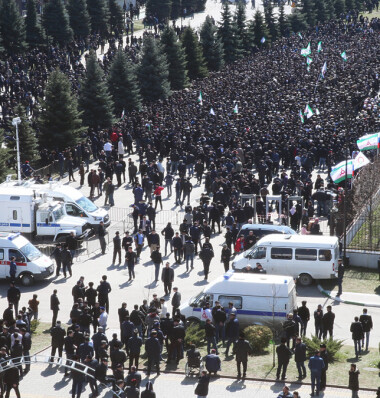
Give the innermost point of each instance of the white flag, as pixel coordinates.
(360, 160)
(212, 112)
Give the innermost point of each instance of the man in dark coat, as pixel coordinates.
(54, 306)
(357, 335)
(206, 255)
(232, 331)
(304, 314)
(134, 348)
(300, 357)
(201, 390)
(13, 296)
(152, 348)
(176, 300)
(324, 355)
(340, 276)
(225, 257)
(318, 316)
(328, 322)
(366, 321)
(167, 277)
(283, 357)
(58, 334)
(241, 350)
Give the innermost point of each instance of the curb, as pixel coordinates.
(336, 298)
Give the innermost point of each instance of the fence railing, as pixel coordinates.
(367, 236)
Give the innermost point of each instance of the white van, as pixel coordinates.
(260, 299)
(261, 230)
(32, 265)
(305, 257)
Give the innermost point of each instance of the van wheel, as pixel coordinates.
(27, 280)
(305, 279)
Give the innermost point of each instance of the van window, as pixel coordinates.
(258, 253)
(282, 253)
(1, 254)
(306, 254)
(324, 255)
(15, 253)
(336, 253)
(14, 214)
(237, 300)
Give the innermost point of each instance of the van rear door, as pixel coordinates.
(4, 268)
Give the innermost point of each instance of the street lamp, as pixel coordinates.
(15, 122)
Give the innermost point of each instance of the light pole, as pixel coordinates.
(15, 122)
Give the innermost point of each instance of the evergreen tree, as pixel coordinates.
(308, 10)
(99, 16)
(227, 33)
(283, 24)
(79, 18)
(340, 7)
(12, 28)
(241, 33)
(60, 121)
(297, 22)
(176, 10)
(153, 72)
(330, 9)
(27, 137)
(196, 64)
(270, 22)
(176, 59)
(350, 5)
(359, 4)
(123, 84)
(56, 22)
(33, 28)
(116, 17)
(159, 8)
(212, 45)
(94, 98)
(322, 14)
(258, 29)
(5, 155)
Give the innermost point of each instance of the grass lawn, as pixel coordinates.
(40, 337)
(374, 14)
(138, 25)
(356, 280)
(261, 366)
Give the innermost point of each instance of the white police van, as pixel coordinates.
(32, 265)
(260, 299)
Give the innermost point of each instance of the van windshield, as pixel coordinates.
(58, 214)
(30, 252)
(86, 204)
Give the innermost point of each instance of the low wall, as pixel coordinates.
(363, 258)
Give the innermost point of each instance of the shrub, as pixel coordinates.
(34, 325)
(332, 347)
(259, 337)
(195, 334)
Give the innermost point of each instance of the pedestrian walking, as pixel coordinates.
(157, 195)
(316, 365)
(54, 306)
(177, 246)
(13, 296)
(56, 254)
(201, 390)
(12, 380)
(283, 356)
(67, 260)
(300, 357)
(167, 278)
(210, 336)
(225, 257)
(206, 255)
(366, 321)
(241, 351)
(101, 236)
(33, 305)
(357, 335)
(157, 261)
(168, 233)
(188, 251)
(176, 301)
(57, 334)
(353, 380)
(131, 259)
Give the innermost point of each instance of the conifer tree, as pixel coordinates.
(5, 155)
(176, 59)
(322, 14)
(340, 7)
(350, 5)
(297, 22)
(259, 29)
(270, 21)
(241, 32)
(330, 9)
(79, 18)
(99, 16)
(308, 10)
(116, 17)
(94, 98)
(123, 84)
(153, 72)
(212, 45)
(159, 8)
(12, 28)
(176, 10)
(60, 121)
(283, 24)
(33, 29)
(27, 137)
(56, 22)
(227, 33)
(196, 64)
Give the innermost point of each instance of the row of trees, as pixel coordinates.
(60, 22)
(173, 9)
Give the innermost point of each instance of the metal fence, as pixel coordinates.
(364, 233)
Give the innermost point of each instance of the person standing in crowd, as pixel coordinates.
(78, 379)
(201, 390)
(232, 331)
(328, 322)
(54, 306)
(101, 236)
(366, 321)
(340, 276)
(177, 247)
(241, 351)
(304, 314)
(153, 351)
(131, 259)
(318, 323)
(225, 257)
(157, 261)
(104, 289)
(283, 356)
(12, 380)
(12, 269)
(148, 392)
(116, 247)
(206, 255)
(33, 305)
(300, 357)
(168, 233)
(353, 380)
(167, 277)
(176, 301)
(325, 356)
(356, 330)
(58, 334)
(67, 260)
(57, 257)
(13, 296)
(316, 365)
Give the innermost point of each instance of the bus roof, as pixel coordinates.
(295, 240)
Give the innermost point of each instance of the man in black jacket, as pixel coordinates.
(176, 301)
(225, 257)
(357, 335)
(206, 255)
(304, 314)
(13, 296)
(116, 247)
(324, 355)
(67, 260)
(340, 276)
(300, 357)
(101, 236)
(103, 290)
(210, 336)
(26, 347)
(57, 340)
(219, 316)
(242, 349)
(318, 316)
(366, 321)
(167, 278)
(328, 322)
(54, 306)
(69, 347)
(283, 357)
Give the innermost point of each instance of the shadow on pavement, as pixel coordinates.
(237, 385)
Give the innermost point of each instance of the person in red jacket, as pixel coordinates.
(239, 245)
(157, 195)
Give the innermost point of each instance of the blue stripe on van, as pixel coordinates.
(14, 224)
(258, 313)
(26, 225)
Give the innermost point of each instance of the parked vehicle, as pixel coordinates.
(261, 230)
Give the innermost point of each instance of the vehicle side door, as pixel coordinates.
(20, 260)
(4, 267)
(281, 260)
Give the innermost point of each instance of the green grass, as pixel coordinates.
(138, 25)
(356, 280)
(40, 336)
(374, 14)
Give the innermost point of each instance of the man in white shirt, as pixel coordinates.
(107, 148)
(164, 309)
(103, 318)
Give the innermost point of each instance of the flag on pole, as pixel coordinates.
(299, 34)
(319, 49)
(236, 109)
(324, 70)
(338, 173)
(360, 161)
(262, 40)
(344, 56)
(200, 99)
(369, 141)
(306, 51)
(301, 117)
(212, 112)
(308, 111)
(309, 60)
(122, 114)
(317, 112)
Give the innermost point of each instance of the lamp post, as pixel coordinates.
(15, 122)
